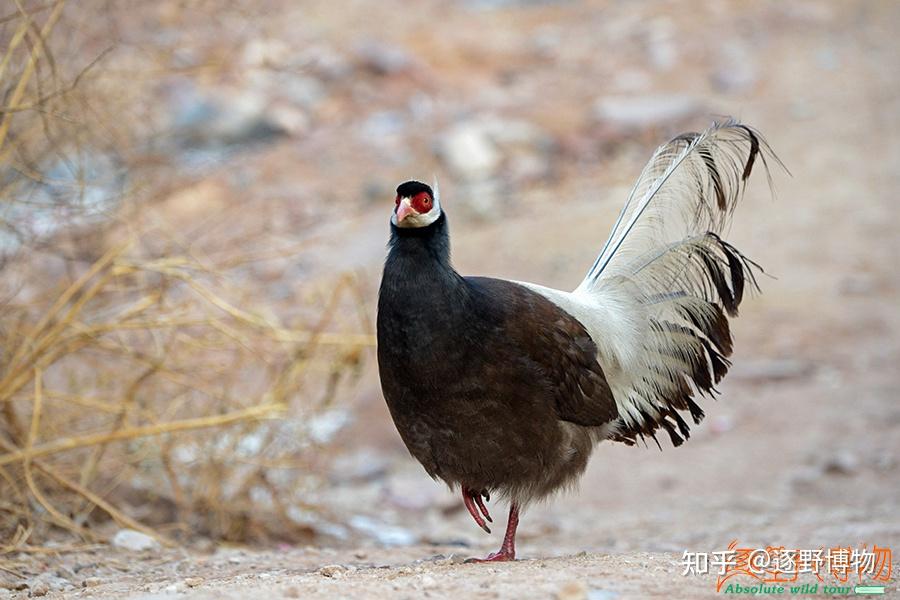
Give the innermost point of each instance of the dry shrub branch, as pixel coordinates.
(145, 381)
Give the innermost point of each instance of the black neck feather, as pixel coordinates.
(418, 266)
(431, 241)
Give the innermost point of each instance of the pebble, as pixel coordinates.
(597, 594)
(806, 477)
(221, 118)
(291, 592)
(266, 53)
(388, 535)
(574, 590)
(722, 424)
(469, 152)
(384, 59)
(772, 370)
(645, 111)
(48, 582)
(736, 71)
(91, 582)
(326, 62)
(842, 463)
(40, 588)
(136, 541)
(662, 50)
(857, 285)
(332, 570)
(193, 581)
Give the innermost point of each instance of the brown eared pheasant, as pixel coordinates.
(503, 388)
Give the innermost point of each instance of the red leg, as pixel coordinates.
(508, 549)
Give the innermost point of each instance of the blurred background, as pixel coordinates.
(194, 206)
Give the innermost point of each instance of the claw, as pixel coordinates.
(482, 507)
(469, 500)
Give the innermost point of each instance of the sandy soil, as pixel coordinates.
(802, 447)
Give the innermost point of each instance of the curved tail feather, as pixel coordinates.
(658, 297)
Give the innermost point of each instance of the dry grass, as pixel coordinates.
(144, 383)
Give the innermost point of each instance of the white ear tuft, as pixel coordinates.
(435, 189)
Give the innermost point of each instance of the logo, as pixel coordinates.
(841, 570)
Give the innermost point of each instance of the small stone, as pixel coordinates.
(291, 592)
(646, 111)
(574, 590)
(384, 59)
(885, 462)
(40, 588)
(193, 581)
(129, 539)
(48, 582)
(772, 370)
(736, 71)
(388, 535)
(81, 566)
(383, 126)
(842, 463)
(204, 545)
(806, 477)
(91, 582)
(469, 152)
(225, 117)
(332, 570)
(857, 285)
(306, 93)
(266, 53)
(289, 119)
(360, 555)
(325, 61)
(722, 424)
(661, 47)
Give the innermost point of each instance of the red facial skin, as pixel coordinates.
(421, 202)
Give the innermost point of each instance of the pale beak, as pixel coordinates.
(404, 209)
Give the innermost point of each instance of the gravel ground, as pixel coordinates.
(802, 447)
